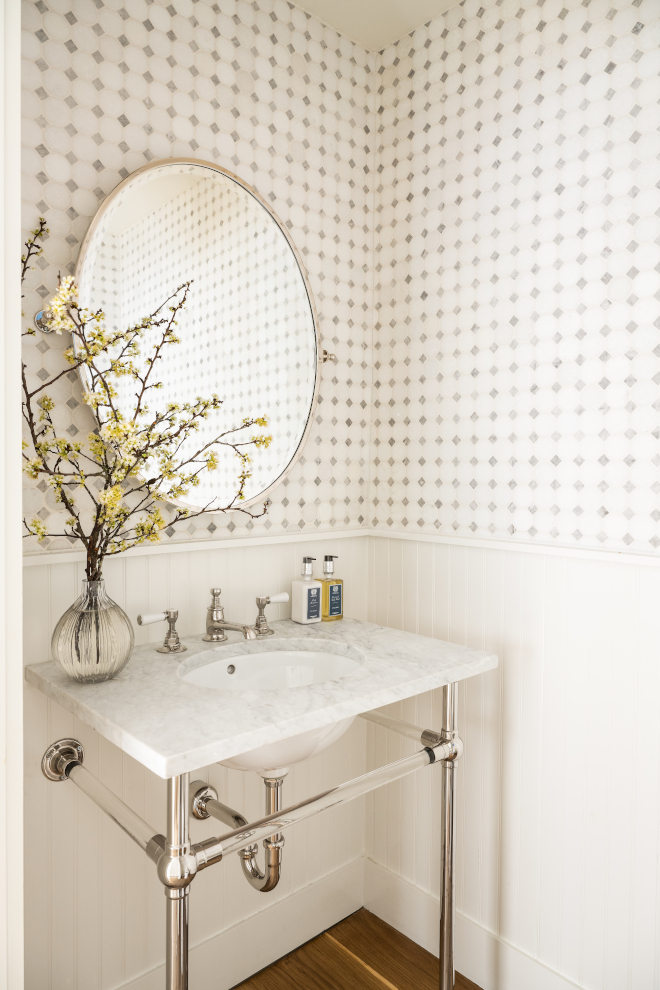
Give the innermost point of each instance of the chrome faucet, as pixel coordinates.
(216, 623)
(261, 623)
(172, 642)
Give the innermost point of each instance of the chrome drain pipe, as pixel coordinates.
(205, 804)
(273, 845)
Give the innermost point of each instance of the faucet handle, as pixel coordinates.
(146, 620)
(261, 623)
(171, 643)
(276, 599)
(215, 597)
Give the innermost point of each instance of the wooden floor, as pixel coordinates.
(360, 953)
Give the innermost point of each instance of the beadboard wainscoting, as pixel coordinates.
(94, 906)
(558, 797)
(557, 791)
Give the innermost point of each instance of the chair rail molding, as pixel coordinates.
(74, 556)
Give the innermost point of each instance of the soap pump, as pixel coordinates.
(332, 598)
(306, 595)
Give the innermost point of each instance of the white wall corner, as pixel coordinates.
(11, 669)
(481, 956)
(238, 952)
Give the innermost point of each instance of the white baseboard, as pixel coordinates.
(482, 956)
(237, 953)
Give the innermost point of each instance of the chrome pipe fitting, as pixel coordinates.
(177, 864)
(269, 879)
(204, 804)
(273, 845)
(60, 757)
(64, 761)
(426, 737)
(176, 871)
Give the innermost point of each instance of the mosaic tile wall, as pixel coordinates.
(269, 93)
(518, 263)
(517, 323)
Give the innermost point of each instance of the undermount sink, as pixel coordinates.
(276, 758)
(271, 666)
(270, 670)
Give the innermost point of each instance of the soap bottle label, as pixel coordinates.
(334, 604)
(313, 603)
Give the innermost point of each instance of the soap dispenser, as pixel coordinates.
(306, 595)
(332, 596)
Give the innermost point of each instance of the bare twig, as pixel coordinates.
(125, 506)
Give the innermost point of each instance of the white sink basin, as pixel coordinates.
(276, 758)
(271, 670)
(268, 667)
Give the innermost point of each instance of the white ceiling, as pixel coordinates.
(375, 24)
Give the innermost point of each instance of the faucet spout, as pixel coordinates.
(248, 631)
(216, 624)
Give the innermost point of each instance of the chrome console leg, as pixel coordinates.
(176, 949)
(447, 844)
(176, 868)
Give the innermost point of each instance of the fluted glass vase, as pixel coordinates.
(94, 638)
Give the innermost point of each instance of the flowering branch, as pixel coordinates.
(134, 460)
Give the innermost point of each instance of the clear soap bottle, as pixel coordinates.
(306, 595)
(332, 601)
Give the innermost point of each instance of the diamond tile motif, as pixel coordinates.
(517, 355)
(478, 208)
(267, 92)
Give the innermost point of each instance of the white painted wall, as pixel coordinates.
(558, 793)
(11, 709)
(94, 906)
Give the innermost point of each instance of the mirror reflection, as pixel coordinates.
(247, 331)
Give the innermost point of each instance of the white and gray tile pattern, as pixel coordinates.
(514, 209)
(267, 92)
(517, 363)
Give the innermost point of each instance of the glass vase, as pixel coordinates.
(94, 638)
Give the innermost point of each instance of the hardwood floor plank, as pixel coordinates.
(384, 981)
(320, 965)
(360, 953)
(462, 983)
(407, 965)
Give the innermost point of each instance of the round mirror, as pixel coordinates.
(248, 330)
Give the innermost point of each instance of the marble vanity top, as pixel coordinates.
(173, 727)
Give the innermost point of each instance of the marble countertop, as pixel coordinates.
(173, 727)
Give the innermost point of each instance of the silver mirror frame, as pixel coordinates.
(319, 353)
